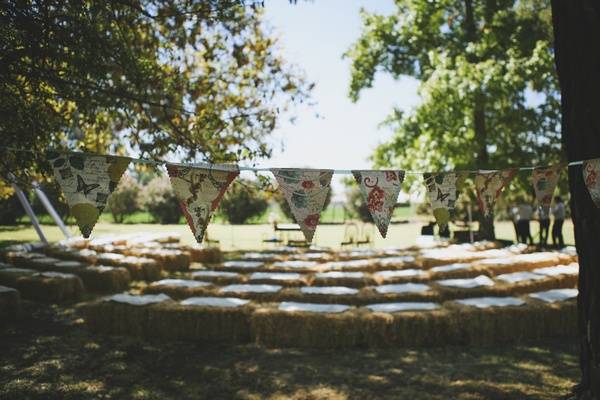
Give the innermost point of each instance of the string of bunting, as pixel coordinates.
(87, 181)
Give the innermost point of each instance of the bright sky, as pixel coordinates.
(314, 35)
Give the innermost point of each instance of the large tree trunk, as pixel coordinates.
(577, 49)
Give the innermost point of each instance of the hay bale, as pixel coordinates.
(571, 269)
(180, 288)
(351, 265)
(10, 275)
(240, 266)
(399, 262)
(258, 256)
(140, 269)
(356, 254)
(321, 294)
(104, 279)
(519, 262)
(169, 260)
(278, 328)
(259, 292)
(555, 295)
(10, 303)
(124, 314)
(399, 276)
(454, 271)
(53, 287)
(404, 306)
(203, 254)
(295, 265)
(406, 328)
(218, 277)
(21, 259)
(201, 321)
(343, 278)
(279, 278)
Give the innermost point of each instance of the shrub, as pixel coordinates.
(10, 210)
(159, 199)
(242, 202)
(124, 200)
(357, 205)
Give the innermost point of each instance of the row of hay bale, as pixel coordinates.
(53, 287)
(278, 287)
(233, 320)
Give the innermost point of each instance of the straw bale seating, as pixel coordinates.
(295, 265)
(218, 277)
(140, 269)
(239, 266)
(259, 292)
(520, 262)
(355, 279)
(10, 303)
(199, 253)
(264, 257)
(168, 260)
(453, 271)
(66, 253)
(555, 295)
(180, 288)
(50, 287)
(280, 278)
(399, 276)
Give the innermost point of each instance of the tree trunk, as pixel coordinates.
(577, 50)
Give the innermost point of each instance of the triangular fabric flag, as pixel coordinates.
(443, 190)
(544, 183)
(305, 191)
(87, 181)
(380, 190)
(199, 190)
(489, 185)
(591, 171)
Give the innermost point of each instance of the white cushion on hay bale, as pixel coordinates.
(398, 260)
(451, 267)
(329, 290)
(227, 302)
(180, 283)
(481, 280)
(403, 288)
(251, 288)
(486, 302)
(214, 274)
(275, 276)
(555, 295)
(243, 264)
(339, 274)
(295, 264)
(348, 264)
(405, 306)
(259, 256)
(520, 277)
(399, 274)
(571, 269)
(142, 300)
(311, 307)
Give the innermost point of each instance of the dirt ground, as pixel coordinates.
(51, 355)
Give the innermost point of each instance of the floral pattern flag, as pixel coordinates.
(443, 190)
(489, 185)
(591, 170)
(87, 181)
(305, 191)
(544, 183)
(199, 190)
(380, 190)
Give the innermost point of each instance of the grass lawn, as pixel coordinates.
(236, 237)
(50, 355)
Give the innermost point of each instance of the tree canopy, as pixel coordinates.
(488, 89)
(197, 79)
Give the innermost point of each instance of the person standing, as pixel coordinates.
(559, 218)
(525, 214)
(544, 219)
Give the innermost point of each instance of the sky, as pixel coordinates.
(314, 36)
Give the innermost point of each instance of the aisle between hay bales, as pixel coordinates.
(51, 355)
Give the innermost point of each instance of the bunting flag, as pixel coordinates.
(591, 170)
(380, 190)
(544, 183)
(443, 190)
(87, 181)
(489, 185)
(305, 191)
(200, 190)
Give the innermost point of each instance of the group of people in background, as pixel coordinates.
(523, 214)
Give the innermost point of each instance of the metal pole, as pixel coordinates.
(51, 210)
(470, 223)
(30, 213)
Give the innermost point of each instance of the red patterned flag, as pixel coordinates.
(199, 190)
(544, 183)
(380, 190)
(489, 185)
(305, 191)
(591, 170)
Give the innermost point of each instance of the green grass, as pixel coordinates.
(50, 355)
(235, 237)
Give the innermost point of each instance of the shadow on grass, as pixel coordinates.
(51, 355)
